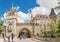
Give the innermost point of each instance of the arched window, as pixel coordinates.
(10, 27)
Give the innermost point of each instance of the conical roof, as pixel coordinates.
(52, 12)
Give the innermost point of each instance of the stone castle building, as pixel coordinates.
(38, 25)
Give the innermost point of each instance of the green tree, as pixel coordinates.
(52, 32)
(57, 8)
(58, 21)
(1, 26)
(58, 30)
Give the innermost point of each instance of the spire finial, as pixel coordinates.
(12, 8)
(31, 16)
(12, 4)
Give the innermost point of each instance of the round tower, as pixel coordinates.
(52, 15)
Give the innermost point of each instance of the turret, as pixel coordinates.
(52, 15)
(11, 20)
(12, 10)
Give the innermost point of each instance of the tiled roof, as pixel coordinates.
(39, 16)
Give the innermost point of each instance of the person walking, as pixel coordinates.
(3, 37)
(12, 36)
(9, 39)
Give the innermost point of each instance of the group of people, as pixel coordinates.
(22, 37)
(12, 37)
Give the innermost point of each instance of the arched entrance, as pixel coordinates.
(24, 33)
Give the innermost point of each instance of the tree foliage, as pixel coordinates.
(52, 26)
(53, 29)
(1, 26)
(58, 29)
(58, 22)
(58, 6)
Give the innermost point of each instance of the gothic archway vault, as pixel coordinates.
(25, 32)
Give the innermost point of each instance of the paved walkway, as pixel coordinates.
(19, 40)
(1, 40)
(30, 40)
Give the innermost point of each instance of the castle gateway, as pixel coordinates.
(38, 25)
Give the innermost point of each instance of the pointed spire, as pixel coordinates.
(52, 12)
(12, 8)
(31, 16)
(12, 5)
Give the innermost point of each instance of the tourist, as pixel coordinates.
(9, 39)
(20, 37)
(37, 34)
(12, 36)
(3, 37)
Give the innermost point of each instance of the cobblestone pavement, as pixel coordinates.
(30, 40)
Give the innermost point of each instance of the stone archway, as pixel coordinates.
(25, 33)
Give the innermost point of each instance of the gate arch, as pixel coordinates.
(27, 31)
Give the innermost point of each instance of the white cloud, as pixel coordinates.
(23, 16)
(44, 8)
(39, 10)
(2, 18)
(17, 8)
(4, 15)
(47, 4)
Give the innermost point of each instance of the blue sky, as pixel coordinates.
(24, 5)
